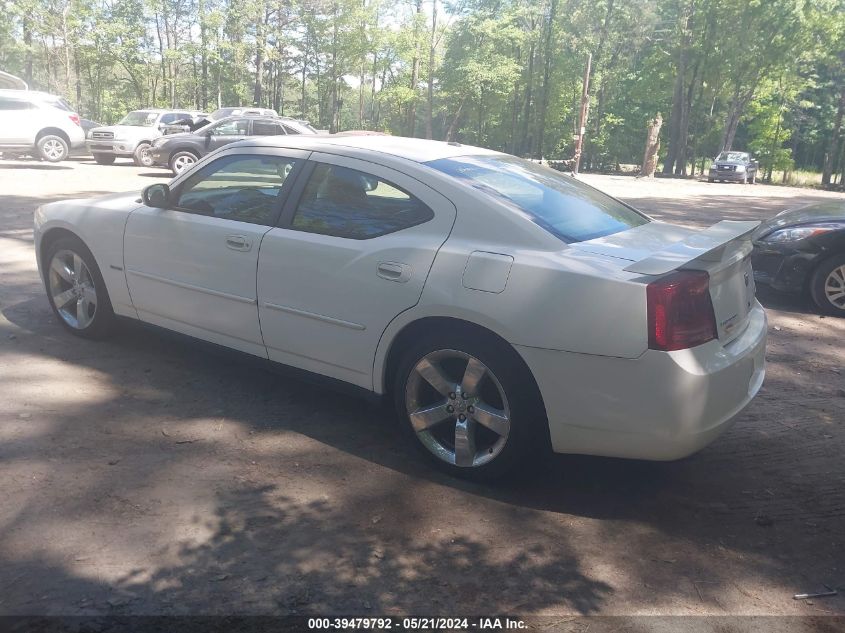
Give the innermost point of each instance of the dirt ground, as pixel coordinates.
(148, 475)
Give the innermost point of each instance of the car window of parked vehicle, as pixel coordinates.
(266, 128)
(238, 127)
(14, 104)
(140, 118)
(348, 203)
(59, 103)
(243, 188)
(172, 117)
(561, 204)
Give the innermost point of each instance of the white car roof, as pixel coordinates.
(415, 149)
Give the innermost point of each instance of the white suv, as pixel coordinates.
(38, 123)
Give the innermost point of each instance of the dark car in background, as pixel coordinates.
(804, 251)
(178, 151)
(733, 167)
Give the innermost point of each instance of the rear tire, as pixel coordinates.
(141, 156)
(827, 286)
(710, 180)
(52, 148)
(105, 159)
(504, 397)
(76, 290)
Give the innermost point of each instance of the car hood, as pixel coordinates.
(833, 211)
(716, 163)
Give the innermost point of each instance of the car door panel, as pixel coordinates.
(183, 275)
(195, 273)
(324, 301)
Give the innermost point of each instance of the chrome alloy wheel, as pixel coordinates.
(72, 289)
(183, 162)
(145, 157)
(53, 149)
(834, 287)
(457, 408)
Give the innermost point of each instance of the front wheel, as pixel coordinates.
(827, 286)
(76, 290)
(52, 148)
(469, 404)
(142, 156)
(180, 161)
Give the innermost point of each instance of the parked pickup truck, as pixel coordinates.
(733, 167)
(133, 136)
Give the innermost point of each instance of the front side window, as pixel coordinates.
(348, 203)
(564, 206)
(242, 188)
(238, 127)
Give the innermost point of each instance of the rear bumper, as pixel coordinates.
(660, 406)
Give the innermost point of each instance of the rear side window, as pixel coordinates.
(564, 206)
(266, 128)
(348, 203)
(14, 104)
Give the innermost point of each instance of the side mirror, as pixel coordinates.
(156, 196)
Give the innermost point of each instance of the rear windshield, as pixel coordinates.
(562, 205)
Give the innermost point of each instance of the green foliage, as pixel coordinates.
(764, 75)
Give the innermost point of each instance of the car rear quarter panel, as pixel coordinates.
(554, 296)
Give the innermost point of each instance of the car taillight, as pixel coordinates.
(74, 117)
(680, 311)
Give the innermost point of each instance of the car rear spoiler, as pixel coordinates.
(708, 244)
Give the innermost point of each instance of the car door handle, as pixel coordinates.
(238, 243)
(394, 271)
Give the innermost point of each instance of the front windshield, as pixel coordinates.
(564, 206)
(140, 118)
(735, 156)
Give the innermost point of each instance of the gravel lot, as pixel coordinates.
(148, 475)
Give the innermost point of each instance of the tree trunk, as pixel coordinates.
(652, 147)
(260, 45)
(28, 54)
(203, 58)
(432, 45)
(833, 142)
(525, 145)
(547, 71)
(450, 133)
(415, 73)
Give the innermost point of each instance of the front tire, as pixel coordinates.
(76, 290)
(827, 286)
(180, 161)
(467, 401)
(141, 156)
(52, 148)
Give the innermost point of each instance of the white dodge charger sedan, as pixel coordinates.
(502, 306)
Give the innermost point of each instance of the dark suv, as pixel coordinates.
(180, 151)
(733, 167)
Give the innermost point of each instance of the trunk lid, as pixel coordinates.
(722, 250)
